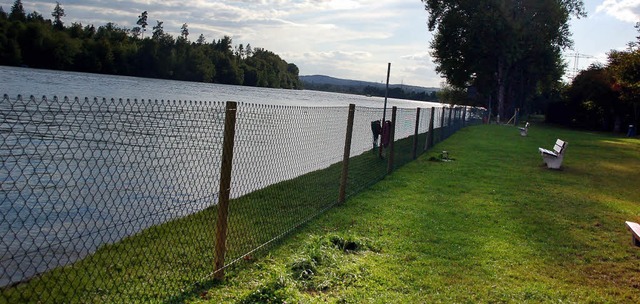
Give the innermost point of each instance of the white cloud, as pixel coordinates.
(422, 56)
(625, 10)
(340, 55)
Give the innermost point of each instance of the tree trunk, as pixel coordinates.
(501, 88)
(617, 125)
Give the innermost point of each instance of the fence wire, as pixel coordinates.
(116, 200)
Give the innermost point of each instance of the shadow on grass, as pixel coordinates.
(506, 220)
(158, 263)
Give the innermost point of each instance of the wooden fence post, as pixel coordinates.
(429, 142)
(415, 134)
(392, 137)
(225, 188)
(347, 154)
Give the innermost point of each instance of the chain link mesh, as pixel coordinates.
(117, 200)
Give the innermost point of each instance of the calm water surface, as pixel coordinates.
(24, 81)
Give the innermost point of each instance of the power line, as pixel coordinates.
(576, 58)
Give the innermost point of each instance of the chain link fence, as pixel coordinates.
(111, 200)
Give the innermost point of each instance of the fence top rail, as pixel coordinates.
(55, 98)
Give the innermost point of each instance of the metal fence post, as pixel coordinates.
(464, 116)
(456, 120)
(442, 135)
(415, 134)
(225, 188)
(347, 154)
(449, 124)
(429, 142)
(392, 137)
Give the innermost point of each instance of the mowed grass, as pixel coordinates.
(494, 225)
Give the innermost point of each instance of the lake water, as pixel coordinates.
(24, 81)
(64, 163)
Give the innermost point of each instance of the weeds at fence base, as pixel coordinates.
(275, 290)
(440, 159)
(325, 263)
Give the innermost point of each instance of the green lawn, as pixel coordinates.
(492, 226)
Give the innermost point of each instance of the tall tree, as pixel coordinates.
(17, 12)
(504, 48)
(239, 53)
(58, 13)
(158, 30)
(136, 31)
(625, 68)
(591, 101)
(248, 51)
(142, 22)
(184, 31)
(201, 39)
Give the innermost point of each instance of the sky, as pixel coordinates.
(352, 39)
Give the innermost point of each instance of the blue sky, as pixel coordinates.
(352, 39)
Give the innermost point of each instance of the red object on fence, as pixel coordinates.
(386, 133)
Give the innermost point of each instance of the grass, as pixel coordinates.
(492, 226)
(162, 263)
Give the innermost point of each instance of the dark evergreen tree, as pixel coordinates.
(39, 43)
(142, 22)
(158, 30)
(248, 51)
(184, 31)
(17, 12)
(58, 13)
(201, 39)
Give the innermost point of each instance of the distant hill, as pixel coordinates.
(401, 91)
(316, 80)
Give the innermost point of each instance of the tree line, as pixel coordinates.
(34, 41)
(507, 55)
(503, 52)
(603, 97)
(369, 90)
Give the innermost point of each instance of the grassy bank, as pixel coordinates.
(174, 261)
(492, 226)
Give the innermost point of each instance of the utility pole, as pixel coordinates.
(384, 113)
(576, 58)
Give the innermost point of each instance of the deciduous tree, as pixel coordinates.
(625, 68)
(504, 48)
